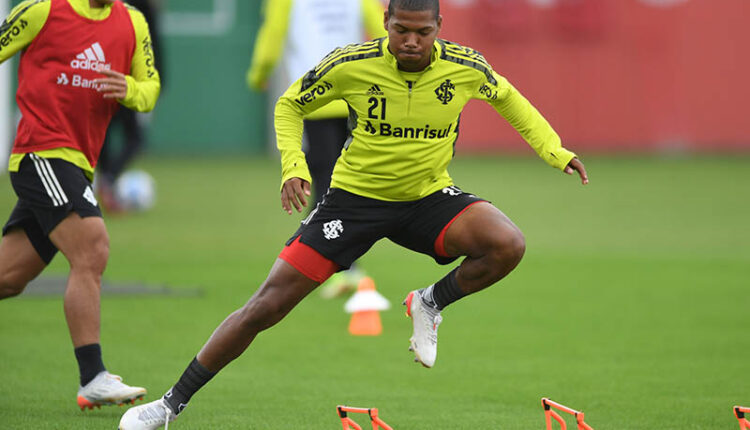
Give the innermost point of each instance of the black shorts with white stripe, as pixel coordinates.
(48, 189)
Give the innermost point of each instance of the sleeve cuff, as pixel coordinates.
(297, 170)
(560, 158)
(132, 83)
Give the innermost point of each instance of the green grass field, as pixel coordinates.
(630, 304)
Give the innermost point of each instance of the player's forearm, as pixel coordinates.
(266, 54)
(257, 75)
(144, 82)
(142, 95)
(532, 126)
(289, 127)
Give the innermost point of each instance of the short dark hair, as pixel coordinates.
(414, 5)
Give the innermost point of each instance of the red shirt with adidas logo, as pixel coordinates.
(60, 104)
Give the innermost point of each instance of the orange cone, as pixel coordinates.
(365, 306)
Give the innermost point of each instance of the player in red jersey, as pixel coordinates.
(80, 60)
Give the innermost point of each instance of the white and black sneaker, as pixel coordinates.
(107, 389)
(425, 319)
(150, 416)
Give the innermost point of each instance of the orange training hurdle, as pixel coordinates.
(739, 412)
(549, 414)
(349, 424)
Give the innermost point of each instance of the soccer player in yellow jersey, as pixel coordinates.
(405, 94)
(80, 60)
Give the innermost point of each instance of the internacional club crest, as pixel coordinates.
(333, 229)
(444, 92)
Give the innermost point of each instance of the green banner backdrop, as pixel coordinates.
(205, 107)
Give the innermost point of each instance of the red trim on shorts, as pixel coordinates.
(308, 261)
(440, 241)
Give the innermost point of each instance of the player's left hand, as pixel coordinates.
(114, 86)
(575, 165)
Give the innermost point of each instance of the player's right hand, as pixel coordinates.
(294, 193)
(576, 165)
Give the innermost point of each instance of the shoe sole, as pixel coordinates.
(412, 346)
(85, 403)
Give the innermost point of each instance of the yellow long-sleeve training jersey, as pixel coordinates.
(25, 22)
(403, 125)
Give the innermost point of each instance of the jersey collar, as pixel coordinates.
(83, 9)
(391, 59)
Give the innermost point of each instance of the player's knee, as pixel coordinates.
(93, 259)
(509, 246)
(261, 313)
(10, 286)
(517, 245)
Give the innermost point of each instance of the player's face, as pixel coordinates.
(411, 34)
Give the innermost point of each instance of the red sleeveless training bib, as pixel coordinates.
(56, 95)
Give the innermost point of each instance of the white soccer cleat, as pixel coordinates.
(107, 389)
(150, 416)
(426, 320)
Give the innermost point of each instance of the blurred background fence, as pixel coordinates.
(614, 75)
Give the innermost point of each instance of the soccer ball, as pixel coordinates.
(135, 190)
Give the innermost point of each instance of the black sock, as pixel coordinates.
(443, 292)
(89, 362)
(194, 377)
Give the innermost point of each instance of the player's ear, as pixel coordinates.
(385, 19)
(439, 23)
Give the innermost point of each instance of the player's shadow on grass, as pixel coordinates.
(55, 286)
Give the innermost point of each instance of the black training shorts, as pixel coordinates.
(344, 225)
(48, 189)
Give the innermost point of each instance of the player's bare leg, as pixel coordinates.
(19, 263)
(493, 247)
(492, 244)
(85, 244)
(282, 290)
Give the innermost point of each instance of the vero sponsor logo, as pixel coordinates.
(92, 58)
(10, 35)
(313, 93)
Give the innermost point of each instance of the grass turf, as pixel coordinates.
(630, 304)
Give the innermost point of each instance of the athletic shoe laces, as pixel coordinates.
(155, 414)
(167, 413)
(432, 319)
